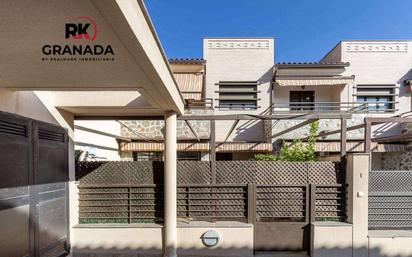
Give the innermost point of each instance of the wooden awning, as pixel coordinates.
(190, 84)
(358, 146)
(313, 81)
(195, 147)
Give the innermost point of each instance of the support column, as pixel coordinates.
(342, 137)
(368, 137)
(212, 151)
(357, 177)
(170, 187)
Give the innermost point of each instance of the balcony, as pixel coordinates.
(357, 110)
(203, 103)
(333, 107)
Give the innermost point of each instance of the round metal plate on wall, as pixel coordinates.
(210, 238)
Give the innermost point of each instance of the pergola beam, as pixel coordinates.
(212, 151)
(370, 121)
(403, 137)
(325, 133)
(343, 137)
(302, 124)
(286, 116)
(376, 120)
(230, 131)
(193, 130)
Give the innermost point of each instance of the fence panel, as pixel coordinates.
(390, 200)
(130, 192)
(330, 202)
(281, 203)
(144, 203)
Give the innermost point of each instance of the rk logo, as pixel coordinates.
(85, 29)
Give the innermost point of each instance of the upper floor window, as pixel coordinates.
(301, 100)
(238, 95)
(376, 97)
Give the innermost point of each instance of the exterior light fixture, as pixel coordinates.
(210, 238)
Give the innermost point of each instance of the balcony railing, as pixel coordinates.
(352, 107)
(203, 103)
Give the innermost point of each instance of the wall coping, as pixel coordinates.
(218, 224)
(192, 224)
(389, 233)
(119, 225)
(332, 224)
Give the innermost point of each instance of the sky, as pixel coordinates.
(304, 30)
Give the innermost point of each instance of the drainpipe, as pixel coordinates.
(170, 187)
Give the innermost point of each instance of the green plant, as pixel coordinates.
(297, 151)
(265, 157)
(78, 155)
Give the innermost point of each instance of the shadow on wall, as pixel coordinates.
(349, 252)
(253, 130)
(227, 252)
(250, 131)
(155, 252)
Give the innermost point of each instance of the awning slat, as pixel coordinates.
(308, 81)
(190, 85)
(357, 147)
(196, 147)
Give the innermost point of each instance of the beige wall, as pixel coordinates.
(25, 103)
(379, 63)
(390, 246)
(234, 240)
(372, 65)
(239, 59)
(102, 145)
(338, 245)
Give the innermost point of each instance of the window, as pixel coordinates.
(301, 100)
(147, 156)
(188, 156)
(158, 156)
(376, 97)
(224, 156)
(238, 95)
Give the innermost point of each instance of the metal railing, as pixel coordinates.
(223, 202)
(204, 103)
(352, 107)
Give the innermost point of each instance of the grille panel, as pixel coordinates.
(13, 128)
(51, 135)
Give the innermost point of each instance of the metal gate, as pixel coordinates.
(390, 199)
(33, 187)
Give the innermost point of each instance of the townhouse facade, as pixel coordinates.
(238, 76)
(48, 209)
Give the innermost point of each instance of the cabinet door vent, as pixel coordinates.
(13, 128)
(51, 135)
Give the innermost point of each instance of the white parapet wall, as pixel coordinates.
(390, 243)
(235, 239)
(332, 239)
